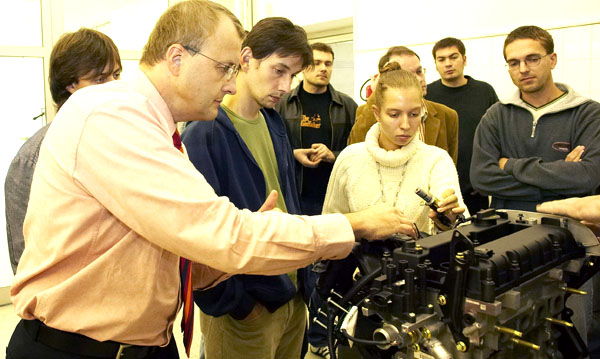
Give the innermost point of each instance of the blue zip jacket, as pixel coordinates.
(218, 151)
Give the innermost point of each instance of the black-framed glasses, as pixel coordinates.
(229, 71)
(531, 61)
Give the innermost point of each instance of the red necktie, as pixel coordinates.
(185, 269)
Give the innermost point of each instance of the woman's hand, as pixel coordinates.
(448, 205)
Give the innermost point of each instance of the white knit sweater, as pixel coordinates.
(355, 183)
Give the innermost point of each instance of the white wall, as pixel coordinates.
(342, 77)
(483, 26)
(305, 12)
(115, 18)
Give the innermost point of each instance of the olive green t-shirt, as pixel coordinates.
(258, 139)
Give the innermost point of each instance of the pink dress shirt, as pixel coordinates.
(113, 205)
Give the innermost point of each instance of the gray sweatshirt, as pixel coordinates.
(536, 170)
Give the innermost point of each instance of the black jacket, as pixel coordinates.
(342, 111)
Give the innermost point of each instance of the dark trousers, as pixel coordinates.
(316, 334)
(23, 346)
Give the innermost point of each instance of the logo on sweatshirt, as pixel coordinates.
(314, 121)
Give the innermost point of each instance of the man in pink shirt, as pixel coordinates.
(114, 205)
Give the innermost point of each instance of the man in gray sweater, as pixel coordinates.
(542, 143)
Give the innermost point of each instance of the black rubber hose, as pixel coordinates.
(364, 341)
(330, 344)
(358, 286)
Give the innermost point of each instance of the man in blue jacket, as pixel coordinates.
(245, 154)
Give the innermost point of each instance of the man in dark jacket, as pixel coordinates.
(319, 120)
(245, 154)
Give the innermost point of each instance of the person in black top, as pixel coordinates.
(319, 120)
(470, 98)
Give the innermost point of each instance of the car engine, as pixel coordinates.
(493, 288)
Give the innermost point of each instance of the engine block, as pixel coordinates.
(494, 288)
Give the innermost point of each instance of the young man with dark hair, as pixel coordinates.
(320, 46)
(470, 98)
(245, 154)
(319, 119)
(543, 142)
(440, 123)
(449, 42)
(78, 59)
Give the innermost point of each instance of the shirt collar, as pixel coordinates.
(144, 86)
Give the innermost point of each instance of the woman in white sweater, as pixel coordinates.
(393, 161)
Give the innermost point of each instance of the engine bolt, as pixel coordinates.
(461, 347)
(574, 291)
(415, 347)
(559, 322)
(441, 300)
(526, 344)
(508, 331)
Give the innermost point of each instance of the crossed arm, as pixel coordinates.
(573, 156)
(494, 173)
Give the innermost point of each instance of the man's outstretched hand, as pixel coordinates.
(380, 222)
